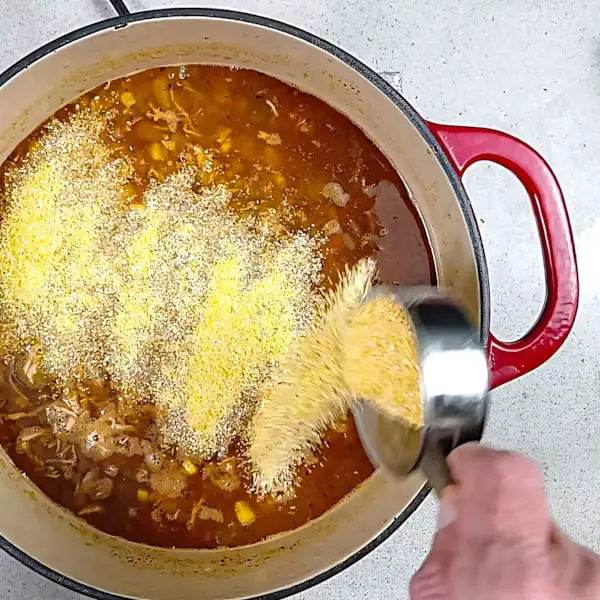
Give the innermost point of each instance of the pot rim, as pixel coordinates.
(417, 121)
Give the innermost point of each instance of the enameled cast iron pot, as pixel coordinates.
(431, 158)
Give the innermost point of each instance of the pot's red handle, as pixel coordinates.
(466, 145)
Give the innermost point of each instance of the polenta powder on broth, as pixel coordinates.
(165, 242)
(176, 300)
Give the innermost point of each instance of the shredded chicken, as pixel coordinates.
(60, 417)
(22, 415)
(165, 510)
(28, 435)
(272, 106)
(29, 367)
(305, 125)
(142, 476)
(95, 486)
(169, 483)
(112, 471)
(207, 513)
(90, 509)
(168, 116)
(223, 475)
(332, 227)
(273, 139)
(335, 193)
(129, 445)
(204, 513)
(52, 473)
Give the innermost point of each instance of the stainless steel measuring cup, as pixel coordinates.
(454, 390)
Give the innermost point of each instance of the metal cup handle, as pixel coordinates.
(433, 461)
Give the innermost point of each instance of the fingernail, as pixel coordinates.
(446, 514)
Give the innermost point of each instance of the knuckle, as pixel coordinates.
(512, 466)
(519, 477)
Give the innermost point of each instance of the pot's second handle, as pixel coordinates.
(466, 145)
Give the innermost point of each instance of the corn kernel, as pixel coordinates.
(143, 495)
(128, 99)
(156, 152)
(245, 515)
(226, 146)
(189, 467)
(279, 180)
(169, 145)
(223, 133)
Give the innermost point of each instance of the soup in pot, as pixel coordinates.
(164, 241)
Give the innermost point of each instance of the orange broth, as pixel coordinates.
(276, 148)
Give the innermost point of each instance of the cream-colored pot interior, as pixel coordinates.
(54, 537)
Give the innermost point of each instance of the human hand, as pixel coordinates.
(496, 540)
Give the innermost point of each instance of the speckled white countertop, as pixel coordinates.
(530, 67)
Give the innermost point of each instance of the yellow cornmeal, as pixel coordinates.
(247, 324)
(52, 274)
(355, 349)
(309, 394)
(176, 299)
(182, 303)
(380, 361)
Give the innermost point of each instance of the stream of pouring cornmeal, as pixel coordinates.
(184, 258)
(355, 348)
